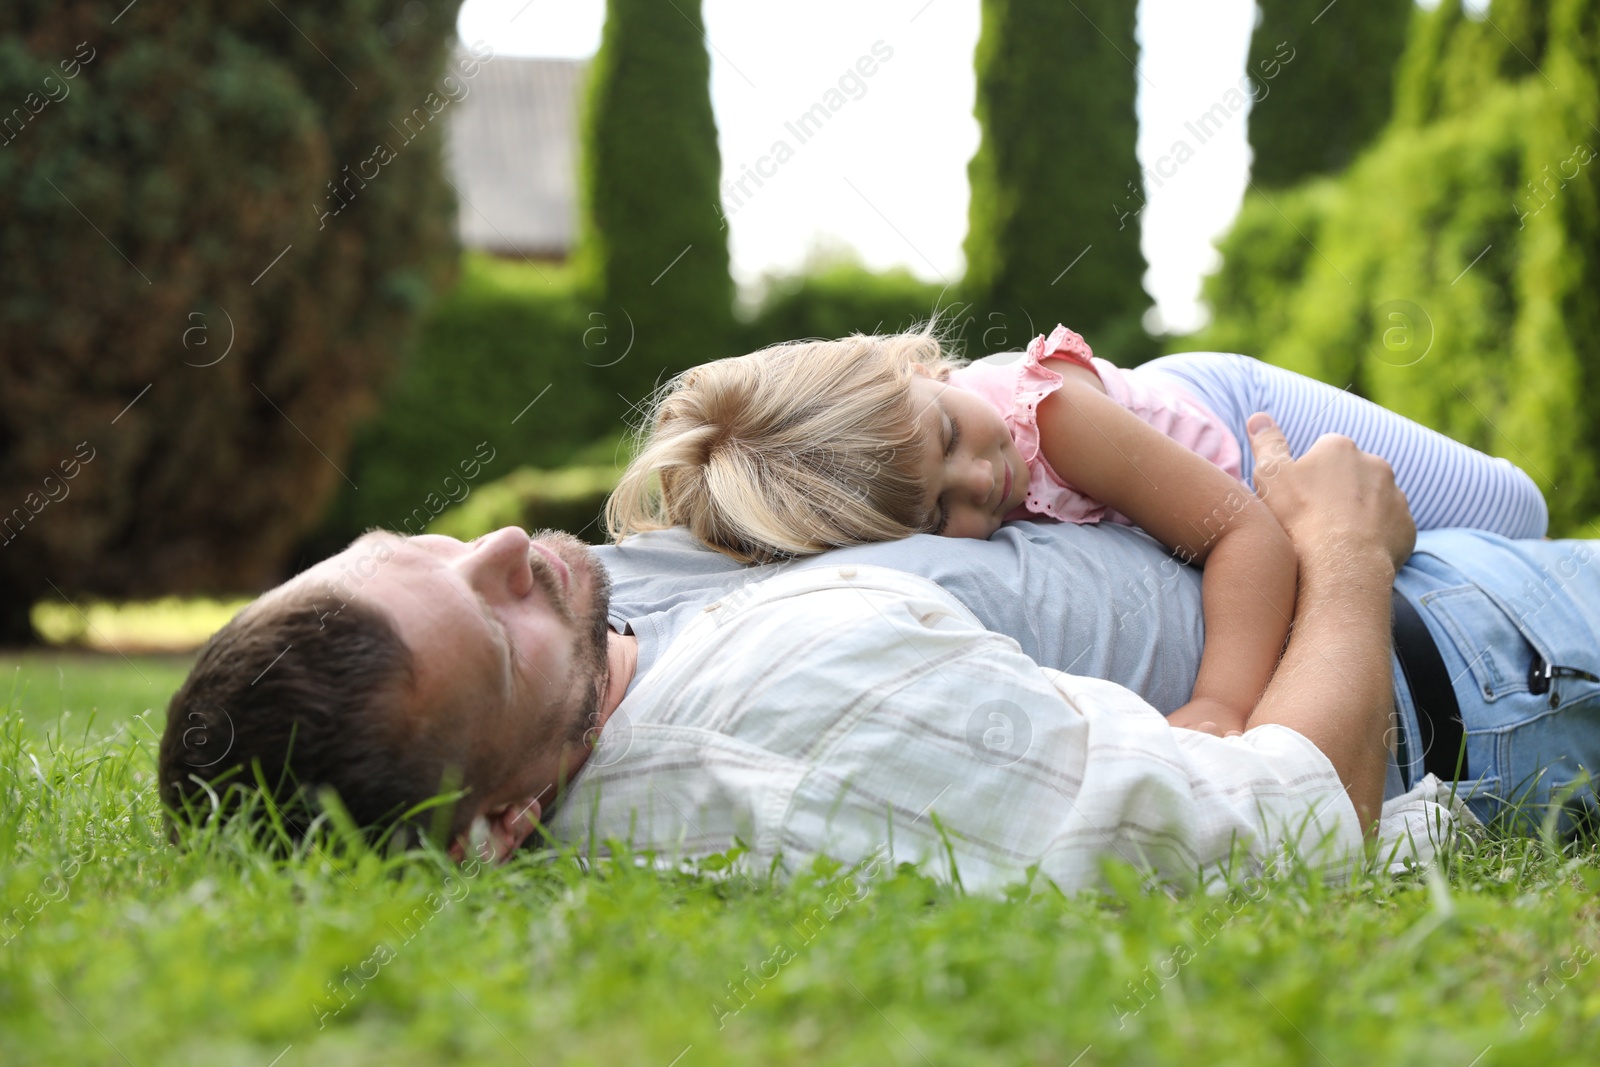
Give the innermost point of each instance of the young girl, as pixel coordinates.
(803, 447)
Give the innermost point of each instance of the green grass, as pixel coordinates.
(70, 692)
(123, 950)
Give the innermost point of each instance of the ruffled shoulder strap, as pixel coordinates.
(1062, 343)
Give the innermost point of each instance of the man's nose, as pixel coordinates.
(498, 560)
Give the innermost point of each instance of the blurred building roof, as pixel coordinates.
(512, 152)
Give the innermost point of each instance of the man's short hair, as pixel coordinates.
(311, 695)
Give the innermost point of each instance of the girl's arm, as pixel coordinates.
(1204, 515)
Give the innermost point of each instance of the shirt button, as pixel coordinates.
(847, 572)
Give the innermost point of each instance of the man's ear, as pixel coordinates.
(512, 824)
(498, 832)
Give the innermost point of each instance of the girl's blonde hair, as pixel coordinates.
(788, 451)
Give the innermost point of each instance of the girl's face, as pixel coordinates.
(972, 472)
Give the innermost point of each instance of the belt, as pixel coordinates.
(1438, 714)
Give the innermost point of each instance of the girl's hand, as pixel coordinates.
(1210, 717)
(1210, 728)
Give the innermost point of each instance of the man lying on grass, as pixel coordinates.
(839, 710)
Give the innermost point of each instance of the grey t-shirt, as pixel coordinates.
(1101, 600)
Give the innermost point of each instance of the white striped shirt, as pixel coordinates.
(854, 712)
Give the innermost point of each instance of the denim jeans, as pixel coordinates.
(1496, 608)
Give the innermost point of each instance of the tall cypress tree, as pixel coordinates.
(1053, 226)
(1336, 93)
(654, 250)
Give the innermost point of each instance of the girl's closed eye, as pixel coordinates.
(943, 521)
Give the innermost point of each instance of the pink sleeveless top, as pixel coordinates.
(1015, 389)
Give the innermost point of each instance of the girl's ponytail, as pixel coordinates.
(785, 452)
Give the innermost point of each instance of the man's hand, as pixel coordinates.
(1351, 530)
(1335, 496)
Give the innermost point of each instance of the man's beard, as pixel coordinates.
(590, 621)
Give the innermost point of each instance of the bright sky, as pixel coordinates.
(887, 175)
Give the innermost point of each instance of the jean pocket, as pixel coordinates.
(1496, 650)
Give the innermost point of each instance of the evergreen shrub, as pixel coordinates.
(1451, 273)
(221, 224)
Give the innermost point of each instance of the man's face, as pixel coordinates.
(508, 636)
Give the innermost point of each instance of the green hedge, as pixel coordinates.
(569, 499)
(837, 300)
(508, 335)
